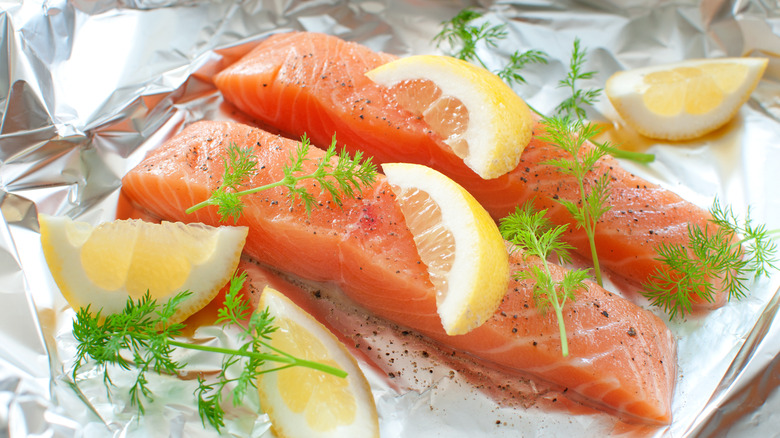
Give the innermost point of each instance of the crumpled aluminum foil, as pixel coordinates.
(89, 87)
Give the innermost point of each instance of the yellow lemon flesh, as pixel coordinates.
(457, 240)
(480, 117)
(684, 100)
(102, 266)
(303, 402)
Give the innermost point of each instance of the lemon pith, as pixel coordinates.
(480, 117)
(457, 240)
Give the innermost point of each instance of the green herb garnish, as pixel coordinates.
(572, 137)
(730, 249)
(459, 34)
(532, 232)
(573, 105)
(342, 179)
(464, 37)
(517, 61)
(142, 337)
(712, 251)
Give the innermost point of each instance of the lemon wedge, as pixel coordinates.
(457, 240)
(684, 100)
(302, 402)
(102, 266)
(479, 116)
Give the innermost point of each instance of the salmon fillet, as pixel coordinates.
(622, 358)
(314, 83)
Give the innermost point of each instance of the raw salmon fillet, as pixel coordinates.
(315, 84)
(622, 358)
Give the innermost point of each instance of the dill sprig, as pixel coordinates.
(724, 249)
(141, 337)
(567, 131)
(517, 61)
(464, 37)
(533, 233)
(571, 136)
(458, 33)
(573, 105)
(143, 328)
(343, 179)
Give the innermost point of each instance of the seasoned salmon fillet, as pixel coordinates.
(313, 83)
(622, 358)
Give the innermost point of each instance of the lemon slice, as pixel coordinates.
(457, 240)
(479, 116)
(684, 100)
(302, 402)
(104, 265)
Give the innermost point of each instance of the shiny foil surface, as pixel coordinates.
(89, 87)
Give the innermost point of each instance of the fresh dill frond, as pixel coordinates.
(532, 232)
(517, 61)
(527, 225)
(239, 165)
(143, 333)
(235, 312)
(721, 254)
(571, 137)
(344, 179)
(756, 240)
(464, 38)
(142, 329)
(573, 105)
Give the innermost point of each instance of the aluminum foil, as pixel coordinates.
(89, 87)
